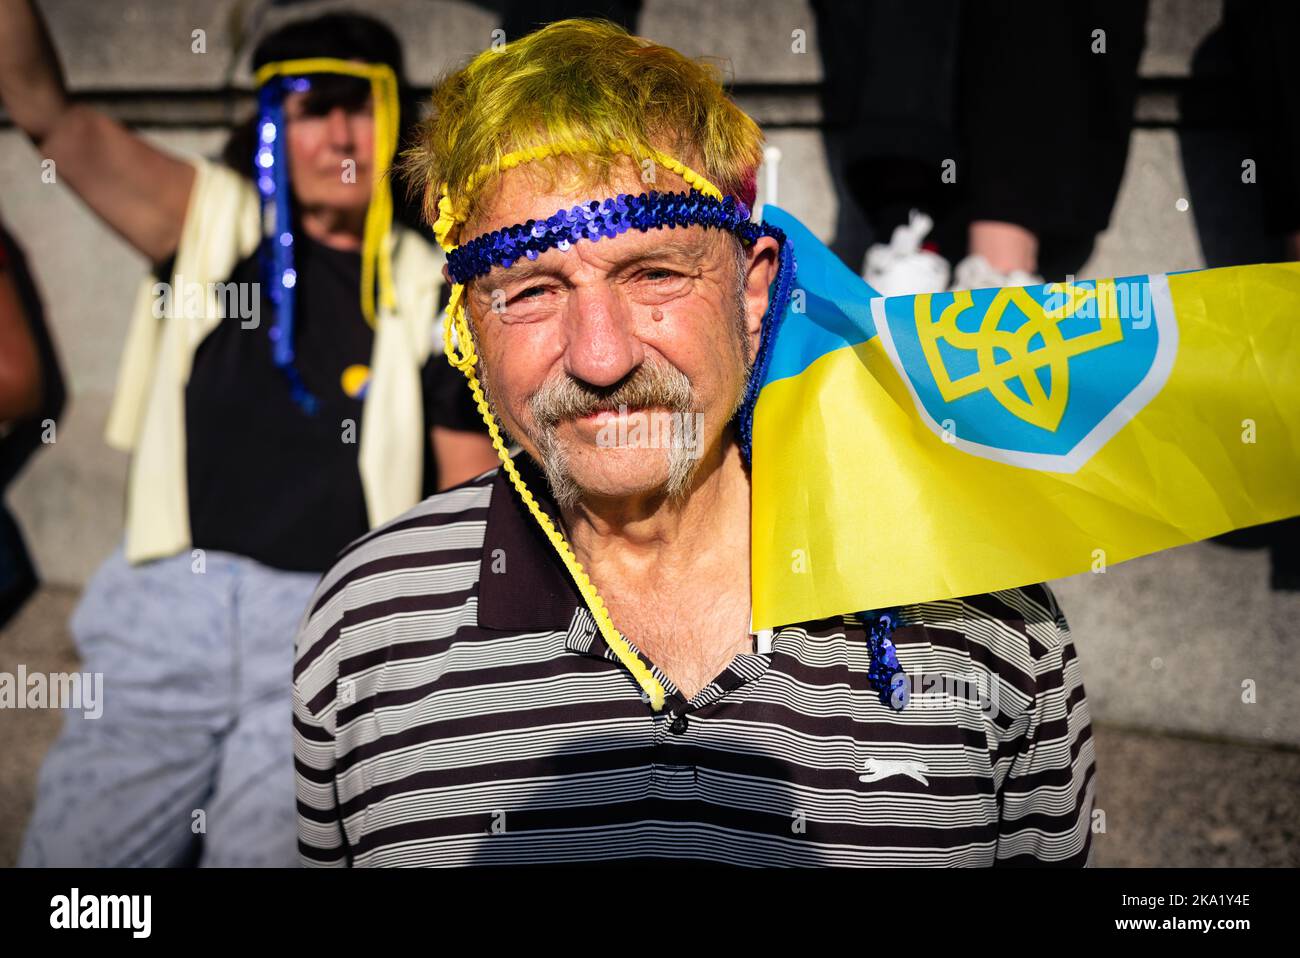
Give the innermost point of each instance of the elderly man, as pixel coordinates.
(461, 694)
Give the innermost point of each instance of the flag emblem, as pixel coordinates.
(1038, 376)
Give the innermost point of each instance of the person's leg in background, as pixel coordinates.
(887, 111)
(251, 818)
(1046, 98)
(121, 789)
(1262, 34)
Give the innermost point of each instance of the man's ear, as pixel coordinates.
(446, 275)
(760, 273)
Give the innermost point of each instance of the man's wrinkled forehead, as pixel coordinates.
(687, 249)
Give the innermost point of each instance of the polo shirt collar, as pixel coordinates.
(523, 585)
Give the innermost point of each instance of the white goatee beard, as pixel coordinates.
(682, 457)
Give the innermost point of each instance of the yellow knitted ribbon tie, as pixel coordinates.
(459, 345)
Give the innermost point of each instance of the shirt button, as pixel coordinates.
(679, 725)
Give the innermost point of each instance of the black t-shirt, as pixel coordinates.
(266, 480)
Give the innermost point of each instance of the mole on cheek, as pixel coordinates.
(656, 313)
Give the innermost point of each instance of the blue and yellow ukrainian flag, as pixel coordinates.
(915, 448)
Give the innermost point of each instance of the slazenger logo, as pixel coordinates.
(878, 768)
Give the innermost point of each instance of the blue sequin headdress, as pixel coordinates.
(275, 81)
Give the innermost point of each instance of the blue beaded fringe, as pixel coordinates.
(884, 673)
(271, 170)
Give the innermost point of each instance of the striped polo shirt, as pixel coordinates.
(455, 704)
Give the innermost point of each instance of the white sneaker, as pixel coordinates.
(974, 272)
(903, 267)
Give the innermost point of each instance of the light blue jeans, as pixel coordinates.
(192, 758)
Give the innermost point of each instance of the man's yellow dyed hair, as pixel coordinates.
(581, 86)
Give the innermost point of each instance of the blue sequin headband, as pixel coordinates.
(653, 210)
(593, 220)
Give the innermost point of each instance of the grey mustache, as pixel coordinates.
(567, 398)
